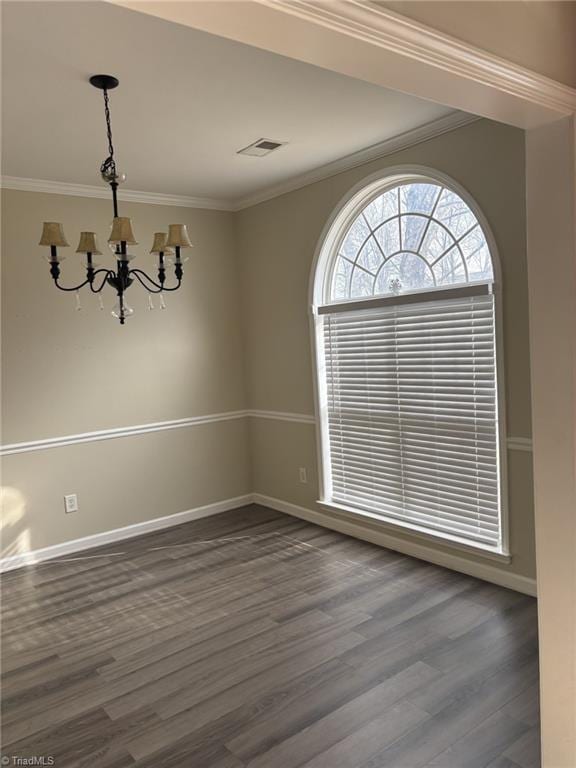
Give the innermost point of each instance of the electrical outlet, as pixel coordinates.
(302, 474)
(70, 503)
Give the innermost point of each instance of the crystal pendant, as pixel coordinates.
(78, 306)
(150, 302)
(162, 302)
(100, 303)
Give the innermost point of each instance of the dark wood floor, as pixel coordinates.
(254, 639)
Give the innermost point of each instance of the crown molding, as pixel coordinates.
(389, 146)
(374, 152)
(398, 34)
(125, 195)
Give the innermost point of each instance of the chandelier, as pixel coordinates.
(166, 246)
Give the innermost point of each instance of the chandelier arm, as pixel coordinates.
(107, 274)
(162, 288)
(73, 288)
(174, 288)
(159, 287)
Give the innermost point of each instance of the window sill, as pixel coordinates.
(415, 531)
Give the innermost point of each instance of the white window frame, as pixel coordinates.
(323, 265)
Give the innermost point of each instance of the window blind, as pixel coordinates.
(412, 414)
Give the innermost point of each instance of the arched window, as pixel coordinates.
(406, 353)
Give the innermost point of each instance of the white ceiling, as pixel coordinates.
(187, 102)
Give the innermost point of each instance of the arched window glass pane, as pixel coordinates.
(413, 237)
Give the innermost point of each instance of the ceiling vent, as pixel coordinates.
(261, 147)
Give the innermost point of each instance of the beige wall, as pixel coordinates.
(277, 240)
(120, 482)
(537, 35)
(66, 372)
(551, 184)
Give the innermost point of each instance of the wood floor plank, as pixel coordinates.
(420, 746)
(526, 750)
(187, 753)
(464, 681)
(342, 722)
(502, 762)
(214, 707)
(480, 745)
(320, 704)
(172, 690)
(186, 648)
(278, 712)
(255, 639)
(526, 707)
(360, 745)
(89, 739)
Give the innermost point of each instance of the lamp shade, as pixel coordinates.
(53, 234)
(88, 244)
(178, 235)
(160, 244)
(122, 231)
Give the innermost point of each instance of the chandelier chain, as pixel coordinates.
(108, 167)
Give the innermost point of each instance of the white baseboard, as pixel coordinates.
(503, 578)
(483, 571)
(118, 534)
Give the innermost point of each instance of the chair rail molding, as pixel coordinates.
(300, 418)
(116, 432)
(513, 443)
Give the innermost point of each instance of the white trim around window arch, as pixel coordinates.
(343, 215)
